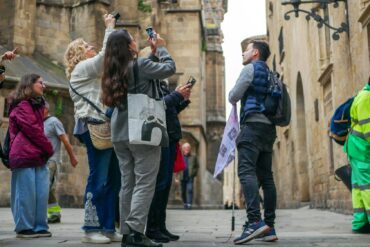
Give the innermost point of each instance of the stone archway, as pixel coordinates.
(301, 145)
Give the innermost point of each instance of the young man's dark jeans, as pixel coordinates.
(254, 145)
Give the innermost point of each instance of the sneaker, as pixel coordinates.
(27, 234)
(123, 242)
(44, 234)
(54, 219)
(270, 236)
(113, 236)
(95, 238)
(139, 239)
(171, 236)
(252, 231)
(157, 236)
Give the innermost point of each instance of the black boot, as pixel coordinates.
(139, 239)
(162, 215)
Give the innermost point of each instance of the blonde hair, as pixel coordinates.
(74, 54)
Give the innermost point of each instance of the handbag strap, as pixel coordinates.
(87, 100)
(155, 83)
(136, 73)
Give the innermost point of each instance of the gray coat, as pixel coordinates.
(148, 70)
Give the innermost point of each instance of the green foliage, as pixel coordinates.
(58, 99)
(144, 7)
(58, 106)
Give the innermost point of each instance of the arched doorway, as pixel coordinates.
(301, 145)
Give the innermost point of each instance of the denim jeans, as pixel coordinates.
(29, 198)
(187, 191)
(102, 189)
(254, 145)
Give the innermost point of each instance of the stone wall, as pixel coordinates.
(52, 24)
(320, 73)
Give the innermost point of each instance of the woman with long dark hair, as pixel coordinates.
(138, 163)
(29, 152)
(84, 67)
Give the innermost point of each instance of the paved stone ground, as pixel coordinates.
(205, 228)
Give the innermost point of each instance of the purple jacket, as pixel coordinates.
(29, 147)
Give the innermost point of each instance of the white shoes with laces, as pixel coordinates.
(113, 236)
(95, 238)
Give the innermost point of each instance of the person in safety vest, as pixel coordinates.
(358, 151)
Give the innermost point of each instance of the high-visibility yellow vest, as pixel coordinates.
(360, 114)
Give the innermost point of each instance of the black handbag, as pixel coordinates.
(343, 174)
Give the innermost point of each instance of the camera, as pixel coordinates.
(116, 15)
(191, 81)
(151, 33)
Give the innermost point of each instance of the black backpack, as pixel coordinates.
(5, 150)
(277, 101)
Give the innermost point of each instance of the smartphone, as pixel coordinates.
(116, 15)
(151, 33)
(191, 81)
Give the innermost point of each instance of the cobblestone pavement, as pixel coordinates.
(201, 228)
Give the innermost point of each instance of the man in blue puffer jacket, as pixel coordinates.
(254, 143)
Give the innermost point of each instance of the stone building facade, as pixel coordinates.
(320, 73)
(42, 30)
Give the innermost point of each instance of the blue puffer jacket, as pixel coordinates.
(253, 99)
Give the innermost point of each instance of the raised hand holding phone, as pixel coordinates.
(191, 82)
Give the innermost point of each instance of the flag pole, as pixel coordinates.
(233, 205)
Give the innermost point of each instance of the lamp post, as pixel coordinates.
(323, 4)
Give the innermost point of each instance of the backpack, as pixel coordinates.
(5, 150)
(340, 122)
(277, 101)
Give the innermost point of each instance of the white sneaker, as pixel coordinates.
(95, 238)
(113, 236)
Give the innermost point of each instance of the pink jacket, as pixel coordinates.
(29, 147)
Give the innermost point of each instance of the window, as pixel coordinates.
(325, 42)
(281, 43)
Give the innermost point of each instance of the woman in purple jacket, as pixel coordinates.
(29, 152)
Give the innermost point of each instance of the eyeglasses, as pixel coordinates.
(41, 82)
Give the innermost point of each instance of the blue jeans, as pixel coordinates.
(29, 198)
(187, 191)
(254, 144)
(103, 185)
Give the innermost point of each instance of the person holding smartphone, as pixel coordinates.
(9, 55)
(176, 101)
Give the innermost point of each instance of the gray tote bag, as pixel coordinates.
(146, 116)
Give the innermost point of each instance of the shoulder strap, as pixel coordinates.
(136, 73)
(87, 100)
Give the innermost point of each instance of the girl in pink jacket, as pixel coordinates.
(29, 152)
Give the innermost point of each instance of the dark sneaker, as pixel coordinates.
(157, 236)
(27, 234)
(171, 236)
(270, 236)
(44, 233)
(252, 231)
(139, 239)
(123, 242)
(54, 219)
